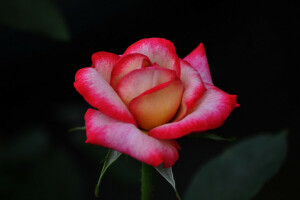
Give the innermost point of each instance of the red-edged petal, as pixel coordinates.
(141, 80)
(98, 93)
(126, 138)
(158, 105)
(194, 89)
(197, 58)
(210, 112)
(104, 62)
(126, 64)
(158, 50)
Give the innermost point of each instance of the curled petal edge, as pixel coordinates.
(197, 58)
(128, 139)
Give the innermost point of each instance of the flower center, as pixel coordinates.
(158, 105)
(152, 95)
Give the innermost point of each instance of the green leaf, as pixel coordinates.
(37, 16)
(79, 128)
(111, 157)
(241, 171)
(168, 175)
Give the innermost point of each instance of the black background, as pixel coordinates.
(252, 51)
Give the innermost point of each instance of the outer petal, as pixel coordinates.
(158, 50)
(126, 138)
(210, 112)
(104, 62)
(197, 58)
(158, 105)
(141, 80)
(126, 64)
(194, 89)
(97, 92)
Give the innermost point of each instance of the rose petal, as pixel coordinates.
(158, 105)
(158, 50)
(126, 64)
(98, 93)
(194, 89)
(197, 58)
(104, 62)
(126, 138)
(141, 80)
(210, 112)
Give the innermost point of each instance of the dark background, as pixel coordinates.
(252, 51)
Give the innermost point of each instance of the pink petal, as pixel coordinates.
(141, 80)
(197, 58)
(158, 105)
(158, 50)
(126, 138)
(126, 64)
(98, 93)
(194, 89)
(210, 112)
(104, 62)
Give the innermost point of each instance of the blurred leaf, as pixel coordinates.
(56, 176)
(18, 155)
(111, 157)
(168, 175)
(37, 16)
(241, 171)
(216, 137)
(28, 145)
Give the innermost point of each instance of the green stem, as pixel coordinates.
(146, 181)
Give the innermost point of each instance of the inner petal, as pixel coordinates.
(140, 80)
(194, 89)
(126, 64)
(158, 105)
(158, 50)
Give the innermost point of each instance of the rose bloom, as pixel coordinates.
(148, 97)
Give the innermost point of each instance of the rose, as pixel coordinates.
(148, 97)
